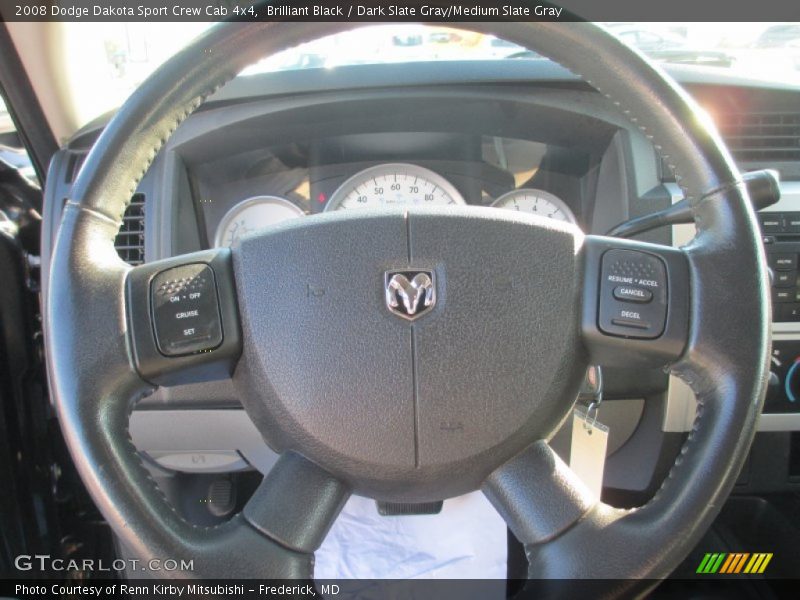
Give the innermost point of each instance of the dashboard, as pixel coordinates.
(380, 150)
(512, 135)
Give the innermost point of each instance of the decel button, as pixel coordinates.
(185, 310)
(630, 318)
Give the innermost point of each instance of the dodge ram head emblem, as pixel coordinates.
(410, 294)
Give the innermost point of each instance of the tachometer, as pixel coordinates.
(252, 214)
(394, 184)
(536, 202)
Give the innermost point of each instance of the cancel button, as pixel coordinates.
(632, 293)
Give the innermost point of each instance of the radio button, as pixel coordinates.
(783, 262)
(785, 279)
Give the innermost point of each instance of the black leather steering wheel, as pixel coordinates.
(466, 396)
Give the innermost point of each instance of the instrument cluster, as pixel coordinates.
(381, 185)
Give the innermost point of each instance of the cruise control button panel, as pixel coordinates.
(633, 294)
(185, 309)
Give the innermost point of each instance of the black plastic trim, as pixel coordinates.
(24, 107)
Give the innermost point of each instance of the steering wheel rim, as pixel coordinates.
(96, 375)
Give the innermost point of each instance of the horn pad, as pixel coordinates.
(420, 406)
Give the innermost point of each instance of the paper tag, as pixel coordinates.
(587, 457)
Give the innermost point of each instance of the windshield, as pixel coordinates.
(116, 58)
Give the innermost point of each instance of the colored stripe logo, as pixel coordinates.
(734, 563)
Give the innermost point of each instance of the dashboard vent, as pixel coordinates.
(763, 136)
(130, 239)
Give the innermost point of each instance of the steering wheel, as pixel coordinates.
(441, 348)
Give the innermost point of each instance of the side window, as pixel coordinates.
(12, 151)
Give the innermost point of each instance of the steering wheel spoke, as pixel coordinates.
(183, 318)
(537, 494)
(636, 302)
(297, 503)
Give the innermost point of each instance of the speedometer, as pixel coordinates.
(536, 202)
(252, 214)
(394, 184)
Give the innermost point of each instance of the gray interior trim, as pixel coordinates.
(680, 408)
(779, 422)
(168, 436)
